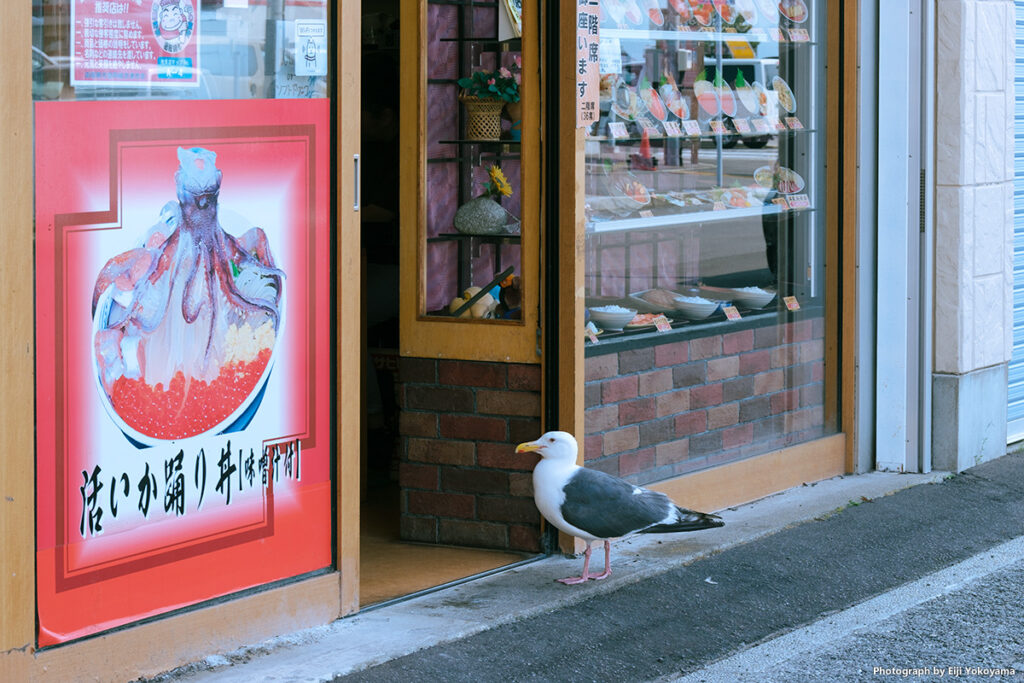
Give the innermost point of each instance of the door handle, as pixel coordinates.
(356, 182)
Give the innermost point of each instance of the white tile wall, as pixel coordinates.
(974, 174)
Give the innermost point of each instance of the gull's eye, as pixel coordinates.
(551, 440)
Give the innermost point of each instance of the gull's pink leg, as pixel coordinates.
(607, 562)
(586, 570)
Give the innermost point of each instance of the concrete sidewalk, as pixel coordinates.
(527, 593)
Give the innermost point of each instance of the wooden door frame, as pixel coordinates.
(222, 625)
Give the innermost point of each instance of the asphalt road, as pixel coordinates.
(685, 620)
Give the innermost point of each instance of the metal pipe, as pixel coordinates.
(927, 287)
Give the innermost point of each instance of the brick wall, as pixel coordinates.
(660, 411)
(462, 482)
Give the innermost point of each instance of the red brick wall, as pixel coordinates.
(462, 482)
(660, 411)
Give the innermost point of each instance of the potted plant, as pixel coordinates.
(485, 94)
(484, 215)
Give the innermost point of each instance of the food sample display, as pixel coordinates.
(704, 170)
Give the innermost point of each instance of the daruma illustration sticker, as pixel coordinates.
(185, 323)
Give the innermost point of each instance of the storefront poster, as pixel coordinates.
(131, 43)
(183, 357)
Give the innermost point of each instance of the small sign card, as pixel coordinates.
(779, 125)
(662, 323)
(791, 303)
(692, 128)
(794, 123)
(775, 34)
(652, 131)
(672, 129)
(646, 213)
(742, 125)
(781, 203)
(731, 312)
(717, 126)
(799, 201)
(761, 125)
(799, 35)
(591, 332)
(720, 206)
(617, 129)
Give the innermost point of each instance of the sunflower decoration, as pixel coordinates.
(498, 186)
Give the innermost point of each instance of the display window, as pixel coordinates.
(183, 304)
(705, 249)
(475, 92)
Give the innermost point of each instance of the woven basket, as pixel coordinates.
(483, 117)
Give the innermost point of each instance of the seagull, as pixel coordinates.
(596, 506)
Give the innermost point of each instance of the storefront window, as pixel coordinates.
(473, 185)
(179, 49)
(705, 233)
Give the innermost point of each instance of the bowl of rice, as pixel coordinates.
(611, 318)
(753, 297)
(695, 307)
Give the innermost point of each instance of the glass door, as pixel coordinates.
(183, 303)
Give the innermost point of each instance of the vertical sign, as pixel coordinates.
(183, 312)
(123, 43)
(588, 55)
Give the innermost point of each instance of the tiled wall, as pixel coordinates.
(462, 482)
(661, 411)
(974, 178)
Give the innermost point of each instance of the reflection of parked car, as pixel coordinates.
(48, 75)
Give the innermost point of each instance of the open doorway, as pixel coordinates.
(390, 567)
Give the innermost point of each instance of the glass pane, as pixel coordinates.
(179, 49)
(705, 261)
(474, 64)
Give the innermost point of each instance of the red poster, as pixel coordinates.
(135, 42)
(183, 355)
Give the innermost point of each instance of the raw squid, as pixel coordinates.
(186, 323)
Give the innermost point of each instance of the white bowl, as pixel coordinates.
(613, 322)
(694, 310)
(753, 297)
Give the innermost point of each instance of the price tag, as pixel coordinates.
(717, 126)
(591, 332)
(662, 323)
(794, 123)
(761, 125)
(775, 34)
(791, 303)
(779, 125)
(618, 129)
(731, 312)
(652, 131)
(781, 203)
(799, 35)
(646, 213)
(720, 206)
(692, 128)
(799, 201)
(672, 129)
(742, 125)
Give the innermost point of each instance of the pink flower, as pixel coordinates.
(490, 82)
(504, 73)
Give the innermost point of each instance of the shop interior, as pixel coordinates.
(390, 568)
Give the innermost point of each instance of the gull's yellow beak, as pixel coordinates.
(528, 446)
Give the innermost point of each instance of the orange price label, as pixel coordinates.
(791, 303)
(731, 312)
(662, 323)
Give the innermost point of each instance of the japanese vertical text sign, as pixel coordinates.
(183, 364)
(588, 40)
(135, 42)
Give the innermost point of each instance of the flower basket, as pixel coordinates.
(483, 117)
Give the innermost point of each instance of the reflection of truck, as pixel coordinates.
(760, 71)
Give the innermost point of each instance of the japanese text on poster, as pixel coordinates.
(588, 54)
(125, 43)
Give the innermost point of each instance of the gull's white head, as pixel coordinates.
(552, 445)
